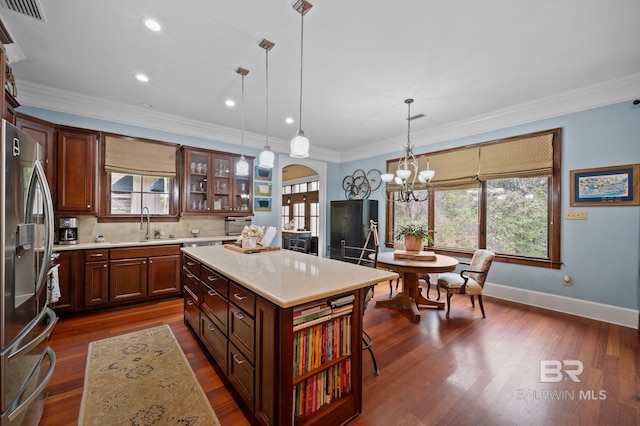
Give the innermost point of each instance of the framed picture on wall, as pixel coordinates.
(262, 189)
(605, 186)
(261, 204)
(262, 174)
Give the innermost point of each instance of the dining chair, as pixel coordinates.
(360, 256)
(298, 244)
(469, 281)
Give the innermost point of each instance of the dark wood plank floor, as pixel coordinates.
(462, 371)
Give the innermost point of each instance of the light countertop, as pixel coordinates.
(287, 278)
(151, 242)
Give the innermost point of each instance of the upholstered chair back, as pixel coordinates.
(481, 261)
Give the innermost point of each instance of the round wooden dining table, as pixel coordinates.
(411, 297)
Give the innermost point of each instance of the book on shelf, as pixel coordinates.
(341, 310)
(344, 300)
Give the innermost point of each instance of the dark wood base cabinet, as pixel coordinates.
(105, 278)
(255, 345)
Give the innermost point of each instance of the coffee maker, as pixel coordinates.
(67, 230)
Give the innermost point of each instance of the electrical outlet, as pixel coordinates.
(567, 280)
(575, 215)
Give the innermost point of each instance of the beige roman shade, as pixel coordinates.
(527, 156)
(523, 157)
(139, 157)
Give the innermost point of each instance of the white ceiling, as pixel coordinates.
(470, 66)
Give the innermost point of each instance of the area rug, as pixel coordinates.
(141, 379)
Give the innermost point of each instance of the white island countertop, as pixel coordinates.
(288, 278)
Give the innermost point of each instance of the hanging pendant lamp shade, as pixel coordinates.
(300, 143)
(266, 157)
(242, 166)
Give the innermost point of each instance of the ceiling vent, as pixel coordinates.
(32, 8)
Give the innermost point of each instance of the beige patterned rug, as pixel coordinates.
(142, 379)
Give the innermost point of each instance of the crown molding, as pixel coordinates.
(588, 97)
(45, 97)
(582, 99)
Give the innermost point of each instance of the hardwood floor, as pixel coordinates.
(462, 371)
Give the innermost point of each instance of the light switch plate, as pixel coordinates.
(575, 215)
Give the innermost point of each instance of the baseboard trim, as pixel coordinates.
(583, 308)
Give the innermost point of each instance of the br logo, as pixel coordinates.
(551, 370)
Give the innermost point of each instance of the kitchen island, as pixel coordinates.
(281, 326)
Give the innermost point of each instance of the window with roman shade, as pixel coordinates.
(131, 156)
(504, 183)
(137, 175)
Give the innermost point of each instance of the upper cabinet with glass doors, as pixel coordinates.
(210, 184)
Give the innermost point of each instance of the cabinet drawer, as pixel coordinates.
(241, 373)
(241, 331)
(192, 283)
(214, 280)
(216, 307)
(96, 255)
(135, 252)
(242, 298)
(191, 312)
(215, 341)
(191, 265)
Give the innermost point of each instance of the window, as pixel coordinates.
(135, 174)
(300, 204)
(130, 193)
(501, 195)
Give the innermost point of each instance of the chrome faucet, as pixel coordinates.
(148, 236)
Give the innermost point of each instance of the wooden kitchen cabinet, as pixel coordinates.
(136, 273)
(96, 278)
(210, 184)
(68, 273)
(43, 132)
(164, 275)
(263, 349)
(76, 172)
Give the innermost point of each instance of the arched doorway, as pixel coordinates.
(293, 171)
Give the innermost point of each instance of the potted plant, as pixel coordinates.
(414, 235)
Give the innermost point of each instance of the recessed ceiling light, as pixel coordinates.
(152, 25)
(142, 77)
(230, 102)
(289, 120)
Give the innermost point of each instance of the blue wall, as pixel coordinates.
(601, 254)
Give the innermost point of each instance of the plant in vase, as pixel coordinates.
(414, 235)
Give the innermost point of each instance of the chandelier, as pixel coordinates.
(408, 171)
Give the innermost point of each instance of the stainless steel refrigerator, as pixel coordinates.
(26, 320)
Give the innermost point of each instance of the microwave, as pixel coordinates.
(235, 225)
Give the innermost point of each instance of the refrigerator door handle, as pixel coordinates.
(13, 352)
(39, 175)
(14, 409)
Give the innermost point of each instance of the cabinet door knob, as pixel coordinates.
(238, 315)
(104, 266)
(235, 358)
(88, 206)
(239, 296)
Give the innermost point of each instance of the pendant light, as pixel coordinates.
(242, 166)
(266, 157)
(300, 144)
